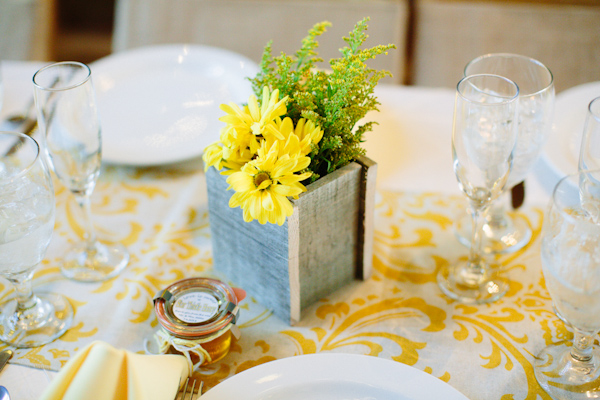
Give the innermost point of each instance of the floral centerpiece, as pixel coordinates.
(290, 211)
(271, 148)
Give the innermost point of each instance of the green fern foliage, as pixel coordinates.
(335, 100)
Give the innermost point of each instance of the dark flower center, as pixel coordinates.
(260, 178)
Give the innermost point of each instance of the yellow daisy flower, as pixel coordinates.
(254, 119)
(263, 185)
(232, 151)
(213, 156)
(307, 132)
(238, 148)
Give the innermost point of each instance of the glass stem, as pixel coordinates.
(496, 215)
(475, 264)
(23, 290)
(89, 234)
(582, 346)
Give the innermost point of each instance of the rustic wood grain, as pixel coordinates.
(367, 233)
(253, 256)
(328, 215)
(324, 245)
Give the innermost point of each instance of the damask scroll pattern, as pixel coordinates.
(496, 342)
(398, 314)
(161, 216)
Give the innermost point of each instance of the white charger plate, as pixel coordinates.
(332, 376)
(160, 104)
(562, 150)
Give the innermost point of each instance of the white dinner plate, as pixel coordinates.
(160, 104)
(333, 377)
(562, 150)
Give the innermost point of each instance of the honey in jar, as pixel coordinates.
(197, 318)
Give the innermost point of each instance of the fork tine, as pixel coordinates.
(192, 390)
(184, 391)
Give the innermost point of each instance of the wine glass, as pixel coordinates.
(571, 267)
(26, 225)
(68, 120)
(483, 138)
(502, 233)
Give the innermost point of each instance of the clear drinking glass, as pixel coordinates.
(26, 225)
(571, 266)
(1, 87)
(589, 157)
(483, 138)
(68, 119)
(501, 233)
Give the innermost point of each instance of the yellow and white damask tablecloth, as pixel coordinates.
(161, 215)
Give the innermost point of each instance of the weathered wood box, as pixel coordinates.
(324, 245)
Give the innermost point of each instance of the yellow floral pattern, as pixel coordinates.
(161, 215)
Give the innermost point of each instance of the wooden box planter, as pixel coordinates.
(324, 245)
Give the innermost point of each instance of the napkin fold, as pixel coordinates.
(101, 372)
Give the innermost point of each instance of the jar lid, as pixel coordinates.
(196, 307)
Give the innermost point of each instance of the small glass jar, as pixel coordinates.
(198, 312)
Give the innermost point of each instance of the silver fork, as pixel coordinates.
(193, 390)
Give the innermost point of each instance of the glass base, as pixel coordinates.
(48, 319)
(564, 377)
(456, 283)
(99, 264)
(502, 237)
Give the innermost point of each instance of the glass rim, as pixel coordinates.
(594, 114)
(562, 182)
(506, 99)
(35, 159)
(85, 67)
(519, 56)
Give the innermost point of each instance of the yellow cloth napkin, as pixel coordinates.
(101, 372)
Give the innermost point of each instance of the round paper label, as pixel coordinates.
(195, 307)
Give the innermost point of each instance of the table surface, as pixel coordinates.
(161, 215)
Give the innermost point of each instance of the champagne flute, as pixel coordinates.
(483, 138)
(1, 87)
(571, 267)
(589, 156)
(26, 225)
(501, 233)
(589, 159)
(68, 119)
